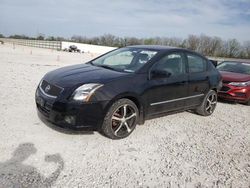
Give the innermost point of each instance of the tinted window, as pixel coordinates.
(196, 63)
(172, 63)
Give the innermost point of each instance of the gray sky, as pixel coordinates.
(139, 18)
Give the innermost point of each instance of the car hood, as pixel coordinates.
(234, 77)
(79, 74)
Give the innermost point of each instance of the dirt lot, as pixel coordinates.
(181, 150)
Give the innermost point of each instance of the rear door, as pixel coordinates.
(198, 80)
(167, 94)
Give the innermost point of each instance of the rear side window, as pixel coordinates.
(196, 63)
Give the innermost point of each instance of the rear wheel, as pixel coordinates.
(121, 119)
(208, 105)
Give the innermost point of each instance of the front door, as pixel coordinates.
(167, 93)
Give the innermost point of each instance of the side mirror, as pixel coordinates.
(155, 74)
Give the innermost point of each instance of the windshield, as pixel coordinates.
(125, 59)
(243, 68)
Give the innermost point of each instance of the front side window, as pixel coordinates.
(125, 59)
(172, 63)
(196, 63)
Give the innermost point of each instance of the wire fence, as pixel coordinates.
(56, 45)
(59, 45)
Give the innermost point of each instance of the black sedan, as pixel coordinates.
(118, 90)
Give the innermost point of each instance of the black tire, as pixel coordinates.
(208, 105)
(248, 103)
(121, 119)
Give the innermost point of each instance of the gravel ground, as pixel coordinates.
(180, 150)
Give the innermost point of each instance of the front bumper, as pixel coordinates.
(233, 93)
(72, 115)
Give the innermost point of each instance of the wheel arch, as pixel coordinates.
(215, 89)
(134, 98)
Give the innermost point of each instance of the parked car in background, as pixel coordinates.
(236, 81)
(72, 48)
(118, 90)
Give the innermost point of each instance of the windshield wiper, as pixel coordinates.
(106, 67)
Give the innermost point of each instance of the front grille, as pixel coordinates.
(44, 106)
(49, 89)
(43, 110)
(225, 88)
(238, 94)
(225, 95)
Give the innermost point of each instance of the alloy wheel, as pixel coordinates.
(211, 103)
(123, 120)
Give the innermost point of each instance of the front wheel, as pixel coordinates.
(121, 119)
(208, 105)
(248, 103)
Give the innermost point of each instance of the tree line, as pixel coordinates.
(206, 45)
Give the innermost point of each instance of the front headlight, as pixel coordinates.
(84, 92)
(240, 84)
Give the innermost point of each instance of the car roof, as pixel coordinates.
(160, 48)
(153, 47)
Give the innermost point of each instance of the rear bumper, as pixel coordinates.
(70, 115)
(232, 93)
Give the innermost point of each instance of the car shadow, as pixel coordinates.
(15, 173)
(228, 102)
